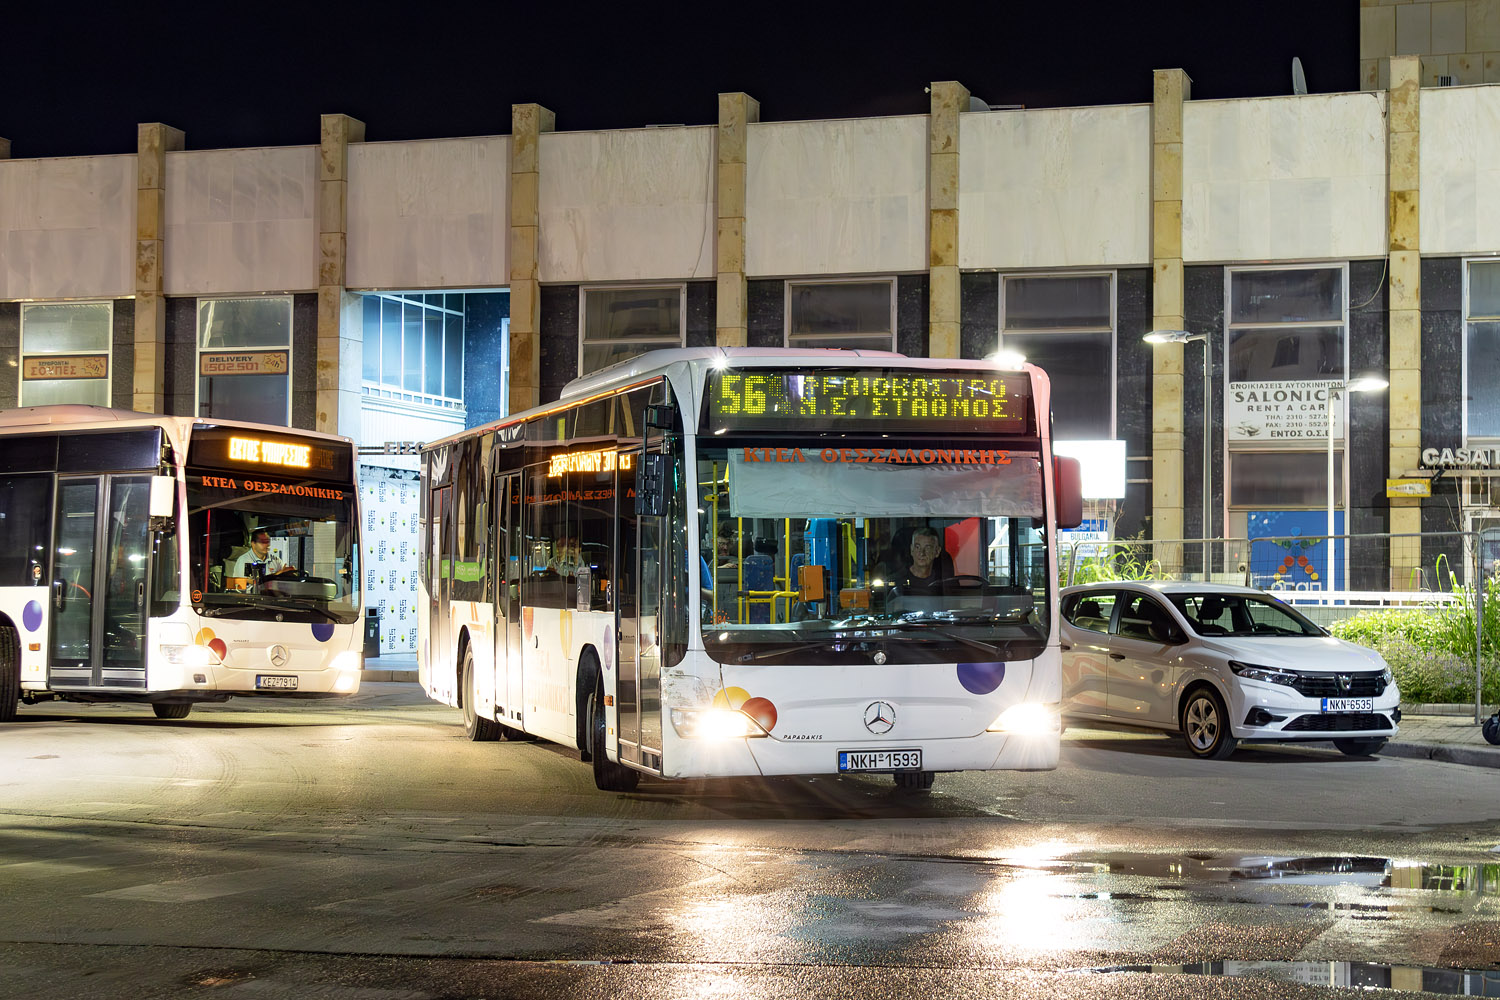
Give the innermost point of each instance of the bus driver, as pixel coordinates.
(259, 562)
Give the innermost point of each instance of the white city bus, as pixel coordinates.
(703, 562)
(169, 561)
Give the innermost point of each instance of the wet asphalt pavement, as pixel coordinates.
(261, 849)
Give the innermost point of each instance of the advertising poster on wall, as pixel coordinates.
(1289, 550)
(389, 504)
(1289, 410)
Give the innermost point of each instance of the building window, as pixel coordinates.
(65, 353)
(854, 315)
(414, 347)
(245, 359)
(1482, 349)
(620, 323)
(1284, 342)
(1065, 323)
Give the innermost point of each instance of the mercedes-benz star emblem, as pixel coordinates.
(277, 655)
(879, 717)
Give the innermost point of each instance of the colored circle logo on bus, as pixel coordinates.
(981, 678)
(206, 637)
(609, 648)
(322, 631)
(31, 616)
(737, 698)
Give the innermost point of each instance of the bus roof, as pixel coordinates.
(651, 363)
(82, 416)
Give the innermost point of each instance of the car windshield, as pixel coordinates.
(821, 555)
(1241, 615)
(271, 548)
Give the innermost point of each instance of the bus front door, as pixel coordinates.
(509, 555)
(101, 558)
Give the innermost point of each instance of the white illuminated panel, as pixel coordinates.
(1103, 465)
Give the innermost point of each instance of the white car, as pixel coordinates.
(1220, 665)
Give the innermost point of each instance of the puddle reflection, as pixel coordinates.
(1365, 975)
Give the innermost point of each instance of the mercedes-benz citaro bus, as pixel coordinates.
(170, 561)
(716, 562)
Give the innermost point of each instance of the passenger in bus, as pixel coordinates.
(258, 562)
(929, 565)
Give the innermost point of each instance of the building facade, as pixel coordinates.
(397, 291)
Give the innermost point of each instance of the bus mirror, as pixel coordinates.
(163, 491)
(659, 415)
(1067, 487)
(809, 584)
(651, 485)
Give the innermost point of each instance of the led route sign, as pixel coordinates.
(932, 400)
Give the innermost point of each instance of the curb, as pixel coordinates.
(1471, 756)
(402, 676)
(1418, 708)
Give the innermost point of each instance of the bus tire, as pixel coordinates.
(171, 711)
(608, 775)
(10, 673)
(476, 728)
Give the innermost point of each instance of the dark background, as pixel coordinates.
(76, 79)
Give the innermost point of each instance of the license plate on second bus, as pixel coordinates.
(880, 760)
(1348, 704)
(276, 682)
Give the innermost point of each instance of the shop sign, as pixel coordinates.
(1091, 536)
(1460, 458)
(1408, 487)
(66, 366)
(242, 363)
(1291, 410)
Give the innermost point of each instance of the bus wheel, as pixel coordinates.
(10, 673)
(914, 781)
(475, 728)
(608, 775)
(171, 711)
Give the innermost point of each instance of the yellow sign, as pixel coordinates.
(66, 366)
(269, 452)
(1408, 487)
(243, 363)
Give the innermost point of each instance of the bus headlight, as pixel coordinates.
(188, 656)
(1028, 719)
(714, 724)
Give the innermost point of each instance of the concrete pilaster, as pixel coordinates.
(339, 360)
(527, 123)
(1171, 89)
(949, 100)
(153, 141)
(737, 112)
(1404, 129)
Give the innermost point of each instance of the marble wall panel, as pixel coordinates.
(67, 227)
(979, 313)
(1133, 395)
(1059, 187)
(836, 197)
(429, 214)
(484, 345)
(1203, 304)
(10, 354)
(122, 355)
(241, 220)
(702, 318)
(911, 315)
(765, 305)
(1284, 178)
(627, 205)
(1460, 170)
(1369, 414)
(1443, 387)
(305, 363)
(558, 340)
(180, 363)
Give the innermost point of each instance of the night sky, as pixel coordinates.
(76, 82)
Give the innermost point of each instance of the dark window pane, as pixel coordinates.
(1050, 303)
(841, 307)
(1304, 295)
(108, 452)
(453, 355)
(249, 322)
(632, 313)
(1286, 353)
(432, 352)
(1079, 365)
(1274, 479)
(258, 398)
(24, 503)
(1484, 380)
(1484, 288)
(372, 338)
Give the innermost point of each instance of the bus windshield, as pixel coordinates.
(871, 551)
(273, 548)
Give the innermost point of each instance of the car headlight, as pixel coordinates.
(1256, 672)
(1028, 719)
(1388, 677)
(714, 724)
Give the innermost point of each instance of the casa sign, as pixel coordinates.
(1460, 458)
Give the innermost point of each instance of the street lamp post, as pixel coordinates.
(1184, 337)
(1337, 390)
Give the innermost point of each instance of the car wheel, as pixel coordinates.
(1361, 748)
(171, 711)
(1205, 725)
(914, 781)
(477, 729)
(608, 775)
(1491, 729)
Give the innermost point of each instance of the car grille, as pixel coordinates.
(1366, 685)
(1341, 722)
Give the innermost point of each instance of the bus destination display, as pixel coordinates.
(243, 451)
(948, 401)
